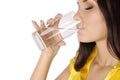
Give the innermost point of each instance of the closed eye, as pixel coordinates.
(88, 8)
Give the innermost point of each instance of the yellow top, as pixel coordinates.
(114, 74)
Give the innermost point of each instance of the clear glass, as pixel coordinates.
(50, 36)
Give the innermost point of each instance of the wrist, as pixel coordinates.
(47, 54)
(50, 51)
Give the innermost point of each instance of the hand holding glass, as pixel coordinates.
(51, 36)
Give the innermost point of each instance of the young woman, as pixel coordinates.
(98, 56)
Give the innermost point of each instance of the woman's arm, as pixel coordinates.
(64, 75)
(42, 67)
(41, 70)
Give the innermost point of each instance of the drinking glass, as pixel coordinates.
(50, 36)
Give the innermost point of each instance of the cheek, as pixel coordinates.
(95, 29)
(101, 31)
(93, 34)
(100, 27)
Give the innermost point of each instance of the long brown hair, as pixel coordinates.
(111, 12)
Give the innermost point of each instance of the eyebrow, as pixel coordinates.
(84, 0)
(87, 0)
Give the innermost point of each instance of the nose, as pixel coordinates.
(77, 17)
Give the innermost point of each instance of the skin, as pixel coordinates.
(92, 28)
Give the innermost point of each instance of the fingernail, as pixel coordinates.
(59, 15)
(33, 21)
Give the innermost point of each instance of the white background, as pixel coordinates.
(18, 52)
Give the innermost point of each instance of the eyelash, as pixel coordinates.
(88, 8)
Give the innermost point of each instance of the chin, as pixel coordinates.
(85, 41)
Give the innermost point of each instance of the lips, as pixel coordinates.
(80, 26)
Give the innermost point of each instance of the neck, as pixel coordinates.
(104, 57)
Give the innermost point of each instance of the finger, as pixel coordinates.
(35, 25)
(42, 24)
(61, 43)
(57, 19)
(50, 22)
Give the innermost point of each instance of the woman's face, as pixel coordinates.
(92, 26)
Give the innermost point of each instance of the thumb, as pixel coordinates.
(61, 43)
